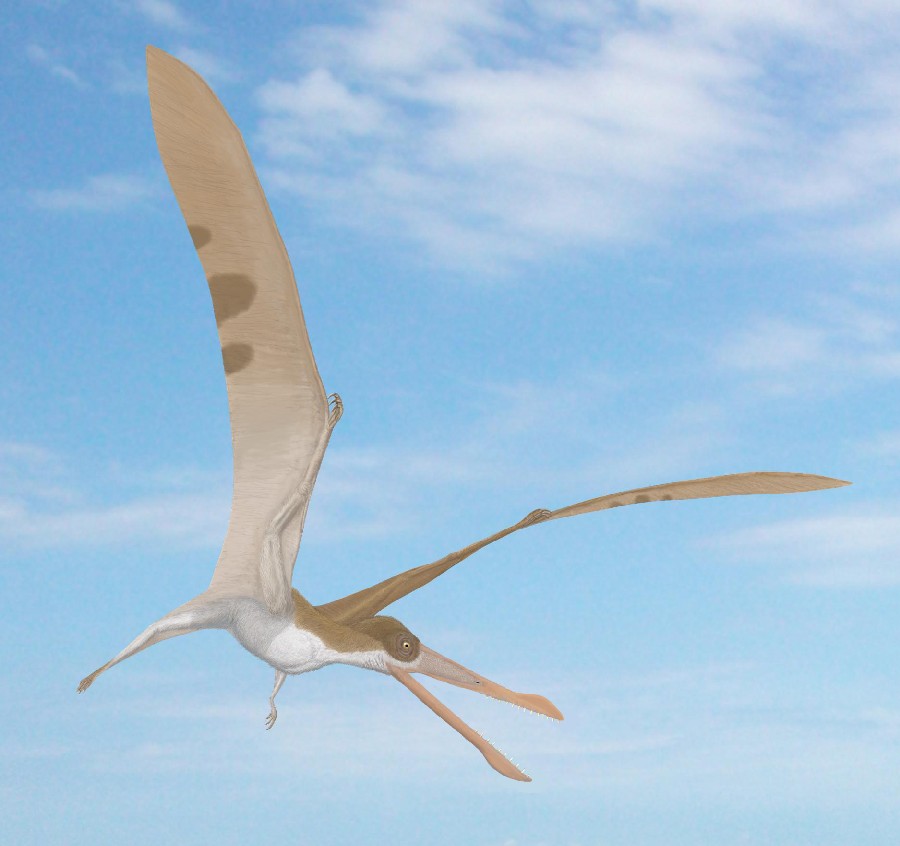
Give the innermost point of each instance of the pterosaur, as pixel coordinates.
(281, 422)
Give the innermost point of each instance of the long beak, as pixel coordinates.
(438, 667)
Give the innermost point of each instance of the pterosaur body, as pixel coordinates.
(281, 422)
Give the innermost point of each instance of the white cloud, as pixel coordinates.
(498, 137)
(774, 344)
(528, 444)
(362, 493)
(107, 192)
(389, 488)
(879, 233)
(320, 102)
(29, 453)
(208, 65)
(44, 504)
(882, 444)
(33, 472)
(126, 78)
(40, 56)
(840, 342)
(404, 37)
(518, 446)
(703, 731)
(857, 548)
(164, 13)
(167, 519)
(797, 18)
(532, 151)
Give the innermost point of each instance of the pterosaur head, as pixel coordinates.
(404, 654)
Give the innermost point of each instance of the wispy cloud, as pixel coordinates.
(709, 730)
(882, 444)
(163, 13)
(517, 445)
(107, 192)
(127, 78)
(320, 102)
(477, 135)
(491, 158)
(207, 64)
(130, 76)
(839, 341)
(856, 548)
(45, 504)
(530, 443)
(42, 57)
(372, 492)
(167, 519)
(774, 344)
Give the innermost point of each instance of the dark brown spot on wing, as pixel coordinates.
(236, 357)
(615, 504)
(641, 498)
(232, 294)
(200, 235)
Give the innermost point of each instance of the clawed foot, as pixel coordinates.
(87, 681)
(337, 409)
(273, 715)
(536, 516)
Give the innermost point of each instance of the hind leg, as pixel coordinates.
(273, 711)
(179, 622)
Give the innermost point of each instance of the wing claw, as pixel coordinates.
(534, 517)
(336, 407)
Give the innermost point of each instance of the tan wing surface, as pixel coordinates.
(276, 399)
(371, 600)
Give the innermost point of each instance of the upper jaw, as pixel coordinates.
(438, 667)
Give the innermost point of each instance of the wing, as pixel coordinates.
(279, 412)
(370, 601)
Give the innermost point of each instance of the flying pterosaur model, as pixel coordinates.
(281, 421)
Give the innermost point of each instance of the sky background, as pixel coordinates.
(546, 250)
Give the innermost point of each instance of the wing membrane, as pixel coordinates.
(735, 484)
(365, 603)
(276, 399)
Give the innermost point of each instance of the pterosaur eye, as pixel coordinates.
(406, 646)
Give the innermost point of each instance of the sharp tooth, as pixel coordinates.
(498, 749)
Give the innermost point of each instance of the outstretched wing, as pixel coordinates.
(370, 601)
(279, 412)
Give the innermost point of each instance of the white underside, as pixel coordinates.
(294, 651)
(278, 642)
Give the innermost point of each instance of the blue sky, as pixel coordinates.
(545, 250)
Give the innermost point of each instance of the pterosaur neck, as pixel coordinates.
(334, 634)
